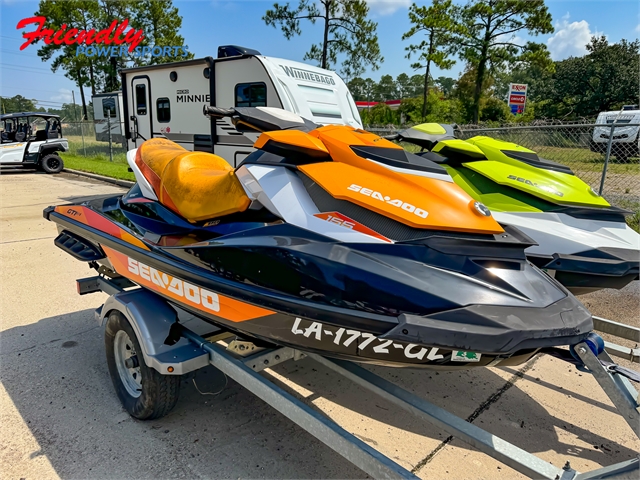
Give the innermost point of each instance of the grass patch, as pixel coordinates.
(99, 165)
(586, 160)
(93, 148)
(633, 220)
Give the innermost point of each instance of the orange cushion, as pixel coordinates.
(196, 185)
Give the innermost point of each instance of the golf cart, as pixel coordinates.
(32, 139)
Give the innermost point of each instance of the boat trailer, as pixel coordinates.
(241, 360)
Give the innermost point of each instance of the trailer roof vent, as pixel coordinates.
(235, 50)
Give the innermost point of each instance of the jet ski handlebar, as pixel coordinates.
(218, 112)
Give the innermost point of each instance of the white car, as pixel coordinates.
(32, 139)
(626, 138)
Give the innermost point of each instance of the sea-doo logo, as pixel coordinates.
(546, 188)
(407, 207)
(177, 287)
(308, 75)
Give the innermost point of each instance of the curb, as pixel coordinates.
(102, 178)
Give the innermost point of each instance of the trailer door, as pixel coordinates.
(142, 114)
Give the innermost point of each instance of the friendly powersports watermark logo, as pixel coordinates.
(114, 41)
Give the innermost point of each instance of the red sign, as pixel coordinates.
(517, 99)
(68, 37)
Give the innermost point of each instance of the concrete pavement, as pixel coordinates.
(59, 415)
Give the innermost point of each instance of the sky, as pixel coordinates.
(209, 23)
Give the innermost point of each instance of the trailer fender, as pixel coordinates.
(151, 318)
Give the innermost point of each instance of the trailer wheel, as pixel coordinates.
(144, 393)
(52, 163)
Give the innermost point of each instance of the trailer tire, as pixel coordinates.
(156, 394)
(51, 163)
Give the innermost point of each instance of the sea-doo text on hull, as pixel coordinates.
(329, 240)
(581, 239)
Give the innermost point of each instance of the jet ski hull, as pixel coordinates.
(582, 240)
(462, 335)
(584, 255)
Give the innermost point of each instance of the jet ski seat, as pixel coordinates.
(196, 185)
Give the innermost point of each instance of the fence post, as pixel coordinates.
(84, 148)
(606, 158)
(110, 144)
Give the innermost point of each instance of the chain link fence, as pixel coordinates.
(100, 139)
(603, 155)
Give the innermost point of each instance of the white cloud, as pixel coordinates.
(387, 7)
(64, 96)
(570, 39)
(638, 28)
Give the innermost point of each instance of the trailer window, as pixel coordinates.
(141, 99)
(251, 95)
(163, 110)
(109, 107)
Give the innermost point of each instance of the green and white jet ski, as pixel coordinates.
(583, 241)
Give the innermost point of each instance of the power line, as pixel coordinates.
(33, 89)
(13, 38)
(24, 66)
(28, 71)
(22, 54)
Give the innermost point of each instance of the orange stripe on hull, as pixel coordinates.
(182, 291)
(93, 219)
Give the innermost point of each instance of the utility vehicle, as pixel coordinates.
(32, 139)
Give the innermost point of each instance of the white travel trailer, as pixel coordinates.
(108, 112)
(166, 100)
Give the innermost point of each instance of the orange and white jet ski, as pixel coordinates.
(329, 240)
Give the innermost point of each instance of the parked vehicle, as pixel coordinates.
(580, 238)
(32, 139)
(326, 239)
(626, 139)
(108, 114)
(166, 100)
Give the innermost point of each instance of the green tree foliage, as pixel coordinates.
(358, 88)
(494, 110)
(17, 104)
(386, 89)
(440, 110)
(159, 19)
(380, 114)
(437, 24)
(346, 32)
(487, 41)
(445, 84)
(606, 78)
(464, 92)
(403, 86)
